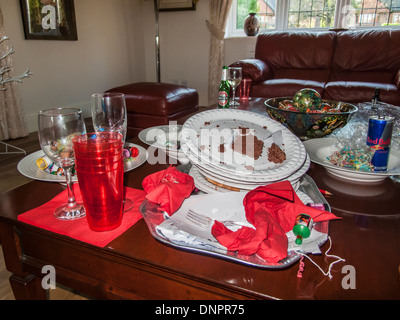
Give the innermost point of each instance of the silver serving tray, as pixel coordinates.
(154, 216)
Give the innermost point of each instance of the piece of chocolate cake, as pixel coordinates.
(276, 154)
(248, 144)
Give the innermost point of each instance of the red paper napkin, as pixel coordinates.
(43, 217)
(272, 210)
(168, 188)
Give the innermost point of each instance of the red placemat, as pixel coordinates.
(43, 217)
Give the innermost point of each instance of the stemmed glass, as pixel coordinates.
(109, 114)
(234, 79)
(57, 128)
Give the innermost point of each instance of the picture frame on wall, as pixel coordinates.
(49, 19)
(176, 5)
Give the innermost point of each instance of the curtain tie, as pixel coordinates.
(216, 32)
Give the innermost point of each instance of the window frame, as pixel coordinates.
(281, 20)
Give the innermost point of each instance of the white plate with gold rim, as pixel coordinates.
(165, 137)
(248, 185)
(27, 166)
(201, 183)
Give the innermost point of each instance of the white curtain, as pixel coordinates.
(219, 10)
(12, 118)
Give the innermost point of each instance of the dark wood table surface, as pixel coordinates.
(137, 266)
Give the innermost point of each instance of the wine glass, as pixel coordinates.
(234, 79)
(57, 128)
(109, 114)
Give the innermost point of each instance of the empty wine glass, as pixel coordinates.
(57, 127)
(234, 79)
(109, 114)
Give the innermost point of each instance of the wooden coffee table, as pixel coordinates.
(136, 266)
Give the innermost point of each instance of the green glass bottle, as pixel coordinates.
(224, 90)
(302, 227)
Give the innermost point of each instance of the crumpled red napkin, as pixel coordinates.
(272, 210)
(168, 188)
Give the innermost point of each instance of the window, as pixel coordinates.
(315, 14)
(311, 14)
(374, 13)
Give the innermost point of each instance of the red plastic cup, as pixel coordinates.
(245, 89)
(99, 166)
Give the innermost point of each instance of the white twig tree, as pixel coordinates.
(4, 78)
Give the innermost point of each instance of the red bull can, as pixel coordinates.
(380, 129)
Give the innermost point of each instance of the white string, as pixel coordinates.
(328, 274)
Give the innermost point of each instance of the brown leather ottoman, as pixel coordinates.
(151, 104)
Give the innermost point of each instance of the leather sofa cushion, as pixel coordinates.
(157, 99)
(296, 50)
(379, 76)
(353, 91)
(368, 50)
(284, 87)
(319, 75)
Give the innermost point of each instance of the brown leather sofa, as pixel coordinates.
(151, 104)
(343, 66)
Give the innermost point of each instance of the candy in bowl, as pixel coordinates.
(314, 123)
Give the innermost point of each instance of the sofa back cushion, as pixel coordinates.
(368, 55)
(289, 52)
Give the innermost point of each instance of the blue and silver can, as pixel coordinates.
(380, 129)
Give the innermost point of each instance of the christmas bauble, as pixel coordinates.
(307, 99)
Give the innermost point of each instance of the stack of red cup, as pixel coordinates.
(100, 169)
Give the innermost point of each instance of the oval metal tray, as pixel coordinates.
(154, 216)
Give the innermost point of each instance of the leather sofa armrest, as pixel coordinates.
(255, 69)
(397, 80)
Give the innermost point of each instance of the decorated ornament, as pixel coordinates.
(306, 100)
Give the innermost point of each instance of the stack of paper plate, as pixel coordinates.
(208, 140)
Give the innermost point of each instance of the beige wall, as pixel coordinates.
(185, 42)
(65, 73)
(184, 46)
(116, 45)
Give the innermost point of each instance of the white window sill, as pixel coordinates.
(242, 35)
